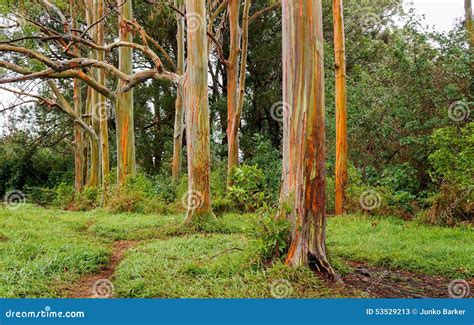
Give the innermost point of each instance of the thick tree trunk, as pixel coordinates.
(305, 128)
(179, 114)
(101, 101)
(197, 115)
(124, 105)
(341, 107)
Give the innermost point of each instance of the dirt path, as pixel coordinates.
(379, 282)
(98, 285)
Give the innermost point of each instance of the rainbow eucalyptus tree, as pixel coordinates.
(124, 104)
(197, 115)
(341, 106)
(304, 156)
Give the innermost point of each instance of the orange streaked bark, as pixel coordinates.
(124, 103)
(304, 173)
(179, 105)
(197, 114)
(101, 100)
(341, 107)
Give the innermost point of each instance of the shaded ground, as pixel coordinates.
(93, 285)
(380, 282)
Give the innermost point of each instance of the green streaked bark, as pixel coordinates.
(179, 114)
(124, 104)
(305, 173)
(197, 114)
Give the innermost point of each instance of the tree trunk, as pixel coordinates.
(236, 80)
(341, 107)
(179, 114)
(101, 101)
(94, 164)
(305, 173)
(79, 157)
(197, 115)
(233, 8)
(124, 105)
(469, 22)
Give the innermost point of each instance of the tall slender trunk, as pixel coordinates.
(124, 105)
(79, 157)
(92, 104)
(236, 80)
(197, 115)
(233, 8)
(303, 61)
(179, 113)
(101, 101)
(94, 145)
(341, 107)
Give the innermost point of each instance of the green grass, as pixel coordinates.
(208, 265)
(410, 246)
(43, 251)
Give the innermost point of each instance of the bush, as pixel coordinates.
(64, 196)
(247, 190)
(453, 170)
(88, 199)
(271, 236)
(136, 194)
(40, 195)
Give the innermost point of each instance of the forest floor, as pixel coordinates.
(52, 253)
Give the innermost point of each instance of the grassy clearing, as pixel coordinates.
(42, 251)
(209, 265)
(410, 246)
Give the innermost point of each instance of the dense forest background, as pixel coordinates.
(411, 141)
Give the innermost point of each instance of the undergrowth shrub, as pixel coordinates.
(248, 189)
(453, 171)
(271, 236)
(136, 194)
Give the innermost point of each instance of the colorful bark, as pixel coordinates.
(124, 104)
(341, 107)
(101, 100)
(197, 113)
(304, 174)
(179, 114)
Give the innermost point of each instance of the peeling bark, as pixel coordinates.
(341, 107)
(304, 174)
(197, 114)
(179, 114)
(124, 104)
(101, 100)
